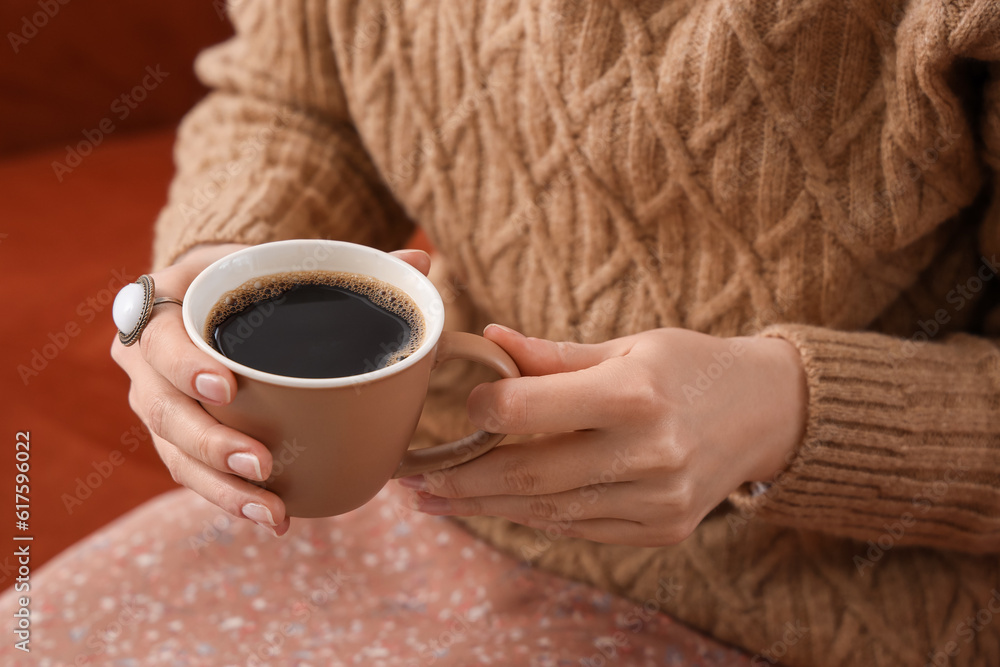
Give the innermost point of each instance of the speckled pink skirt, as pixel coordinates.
(178, 582)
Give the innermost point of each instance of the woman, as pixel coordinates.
(767, 230)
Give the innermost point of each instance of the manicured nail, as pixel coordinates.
(259, 513)
(270, 529)
(245, 465)
(416, 482)
(433, 505)
(503, 328)
(212, 387)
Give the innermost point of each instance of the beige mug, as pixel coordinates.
(336, 442)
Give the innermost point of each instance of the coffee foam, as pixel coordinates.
(382, 294)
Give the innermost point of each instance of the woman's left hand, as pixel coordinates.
(642, 436)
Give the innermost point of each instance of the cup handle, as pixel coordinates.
(459, 345)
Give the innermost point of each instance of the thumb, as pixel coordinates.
(538, 356)
(418, 259)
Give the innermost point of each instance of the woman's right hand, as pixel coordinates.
(169, 376)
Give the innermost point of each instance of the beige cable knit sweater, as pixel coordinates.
(819, 170)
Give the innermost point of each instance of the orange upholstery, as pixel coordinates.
(64, 251)
(67, 65)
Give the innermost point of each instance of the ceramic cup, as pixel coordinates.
(336, 442)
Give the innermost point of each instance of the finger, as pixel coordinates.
(552, 464)
(234, 495)
(621, 500)
(606, 531)
(418, 259)
(567, 388)
(164, 345)
(537, 356)
(596, 397)
(176, 418)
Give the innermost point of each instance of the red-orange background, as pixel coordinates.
(61, 242)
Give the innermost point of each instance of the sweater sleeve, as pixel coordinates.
(902, 439)
(271, 153)
(902, 442)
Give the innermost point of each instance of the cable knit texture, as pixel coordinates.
(818, 170)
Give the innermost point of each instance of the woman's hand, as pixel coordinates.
(644, 435)
(170, 375)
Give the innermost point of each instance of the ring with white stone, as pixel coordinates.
(133, 306)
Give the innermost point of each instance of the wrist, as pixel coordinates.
(783, 384)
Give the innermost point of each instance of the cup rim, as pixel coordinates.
(433, 326)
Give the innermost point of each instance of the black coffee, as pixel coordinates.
(315, 324)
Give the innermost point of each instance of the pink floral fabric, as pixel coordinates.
(179, 582)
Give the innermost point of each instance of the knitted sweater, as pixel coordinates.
(818, 170)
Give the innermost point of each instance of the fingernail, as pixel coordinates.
(270, 529)
(245, 465)
(259, 513)
(212, 387)
(433, 505)
(503, 328)
(416, 482)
